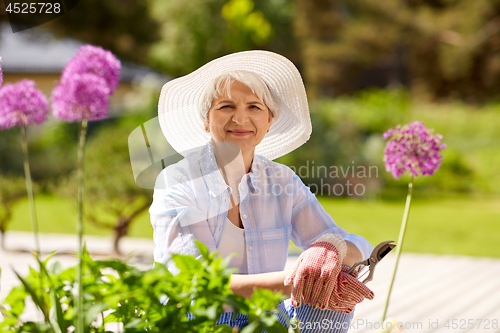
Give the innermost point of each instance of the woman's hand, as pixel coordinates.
(353, 254)
(314, 276)
(244, 285)
(349, 291)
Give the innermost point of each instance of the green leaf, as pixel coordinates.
(133, 324)
(119, 266)
(58, 322)
(56, 268)
(212, 312)
(269, 319)
(92, 312)
(46, 260)
(266, 299)
(203, 249)
(16, 300)
(33, 294)
(111, 318)
(9, 319)
(223, 329)
(251, 327)
(186, 263)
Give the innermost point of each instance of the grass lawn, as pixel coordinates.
(58, 215)
(453, 226)
(446, 226)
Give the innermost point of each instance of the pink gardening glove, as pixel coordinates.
(348, 292)
(315, 274)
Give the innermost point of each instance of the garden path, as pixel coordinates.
(432, 293)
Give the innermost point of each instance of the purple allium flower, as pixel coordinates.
(22, 104)
(81, 96)
(94, 60)
(412, 147)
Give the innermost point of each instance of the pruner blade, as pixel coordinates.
(379, 252)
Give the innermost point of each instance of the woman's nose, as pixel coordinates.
(239, 116)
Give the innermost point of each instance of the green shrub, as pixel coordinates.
(115, 292)
(347, 132)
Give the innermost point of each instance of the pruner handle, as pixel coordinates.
(379, 252)
(365, 262)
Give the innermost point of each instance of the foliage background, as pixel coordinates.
(366, 68)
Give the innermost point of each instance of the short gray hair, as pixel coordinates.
(220, 85)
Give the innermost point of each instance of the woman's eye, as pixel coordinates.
(254, 107)
(225, 106)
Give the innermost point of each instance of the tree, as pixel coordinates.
(175, 36)
(112, 198)
(109, 183)
(351, 44)
(122, 26)
(198, 31)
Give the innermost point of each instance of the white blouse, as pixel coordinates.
(233, 240)
(191, 201)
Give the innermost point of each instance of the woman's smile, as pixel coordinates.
(239, 132)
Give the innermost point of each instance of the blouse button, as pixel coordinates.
(250, 248)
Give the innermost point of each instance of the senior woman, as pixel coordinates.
(230, 119)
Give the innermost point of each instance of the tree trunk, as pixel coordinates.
(121, 229)
(2, 238)
(4, 221)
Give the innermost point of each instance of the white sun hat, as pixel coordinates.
(181, 98)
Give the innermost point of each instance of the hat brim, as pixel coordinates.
(180, 100)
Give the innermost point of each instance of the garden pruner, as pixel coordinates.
(377, 254)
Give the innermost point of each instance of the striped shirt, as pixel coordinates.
(191, 201)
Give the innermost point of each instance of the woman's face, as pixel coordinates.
(242, 119)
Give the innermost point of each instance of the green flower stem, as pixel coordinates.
(399, 244)
(31, 200)
(82, 132)
(29, 188)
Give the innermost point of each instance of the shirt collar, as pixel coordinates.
(256, 169)
(213, 177)
(210, 171)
